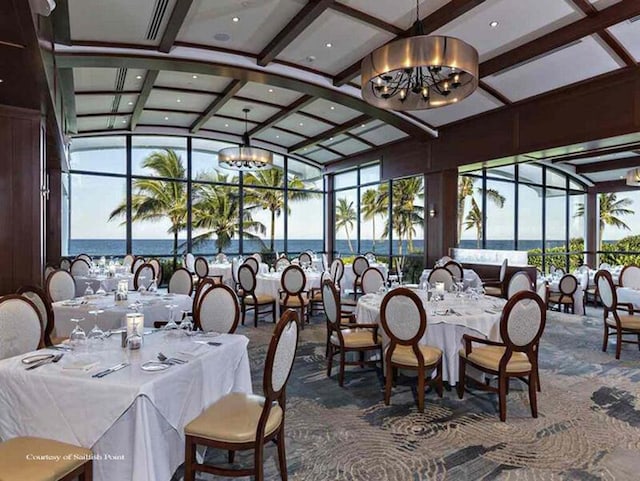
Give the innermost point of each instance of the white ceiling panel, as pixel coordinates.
(258, 22)
(167, 119)
(227, 125)
(628, 34)
(607, 175)
(259, 112)
(331, 111)
(350, 42)
(476, 103)
(321, 155)
(304, 125)
(383, 134)
(519, 21)
(347, 145)
(186, 80)
(274, 95)
(162, 99)
(93, 104)
(601, 4)
(401, 13)
(85, 124)
(600, 158)
(86, 79)
(279, 137)
(572, 64)
(121, 21)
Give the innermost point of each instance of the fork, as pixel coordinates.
(55, 358)
(170, 360)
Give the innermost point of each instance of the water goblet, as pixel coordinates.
(142, 288)
(187, 323)
(153, 287)
(96, 333)
(77, 336)
(101, 290)
(171, 325)
(89, 290)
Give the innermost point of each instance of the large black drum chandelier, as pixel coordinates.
(245, 157)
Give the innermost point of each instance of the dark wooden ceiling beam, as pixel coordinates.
(60, 22)
(340, 129)
(305, 17)
(178, 15)
(558, 38)
(107, 92)
(147, 86)
(614, 164)
(289, 110)
(439, 18)
(595, 152)
(611, 186)
(232, 89)
(366, 18)
(68, 98)
(494, 93)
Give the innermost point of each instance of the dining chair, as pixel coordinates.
(315, 297)
(144, 276)
(520, 281)
(456, 269)
(250, 300)
(344, 335)
(521, 325)
(56, 461)
(404, 321)
(372, 280)
(240, 421)
(137, 262)
(559, 271)
(181, 282)
(443, 260)
(495, 287)
(257, 257)
(157, 268)
(128, 260)
(39, 297)
(325, 261)
(48, 270)
(620, 324)
(583, 279)
(630, 277)
(21, 327)
(543, 292)
(85, 257)
(234, 277)
(60, 286)
(65, 264)
(253, 263)
(360, 264)
(567, 286)
(217, 310)
(201, 267)
(80, 267)
(189, 262)
(281, 263)
(293, 294)
(305, 259)
(440, 274)
(337, 272)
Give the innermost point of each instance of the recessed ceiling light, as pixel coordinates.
(494, 24)
(328, 45)
(194, 76)
(235, 19)
(166, 118)
(301, 124)
(178, 100)
(363, 126)
(270, 91)
(330, 138)
(332, 107)
(1, 80)
(124, 121)
(277, 136)
(129, 103)
(226, 125)
(138, 77)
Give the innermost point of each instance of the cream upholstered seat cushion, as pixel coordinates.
(493, 291)
(555, 299)
(628, 322)
(261, 298)
(294, 302)
(489, 357)
(404, 355)
(19, 459)
(234, 419)
(355, 338)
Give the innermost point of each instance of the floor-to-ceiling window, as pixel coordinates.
(618, 227)
(155, 195)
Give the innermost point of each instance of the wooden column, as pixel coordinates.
(330, 221)
(591, 241)
(21, 215)
(442, 194)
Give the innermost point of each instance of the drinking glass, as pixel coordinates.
(153, 287)
(89, 290)
(187, 323)
(171, 325)
(101, 290)
(77, 336)
(141, 280)
(96, 333)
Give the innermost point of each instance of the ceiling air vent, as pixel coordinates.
(159, 9)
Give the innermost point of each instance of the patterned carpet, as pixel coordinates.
(588, 426)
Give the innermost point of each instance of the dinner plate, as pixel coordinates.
(155, 366)
(71, 303)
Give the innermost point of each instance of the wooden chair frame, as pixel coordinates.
(9, 297)
(136, 276)
(499, 283)
(529, 377)
(198, 305)
(253, 263)
(391, 367)
(180, 269)
(358, 276)
(371, 271)
(455, 266)
(250, 291)
(565, 295)
(50, 321)
(136, 259)
(191, 466)
(48, 282)
(78, 261)
(304, 301)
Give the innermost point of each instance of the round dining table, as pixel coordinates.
(470, 278)
(447, 321)
(270, 284)
(109, 284)
(349, 277)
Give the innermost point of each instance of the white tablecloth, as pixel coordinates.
(349, 277)
(134, 416)
(628, 295)
(471, 278)
(224, 270)
(154, 308)
(479, 318)
(577, 296)
(108, 283)
(269, 284)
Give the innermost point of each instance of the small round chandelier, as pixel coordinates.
(245, 157)
(633, 177)
(419, 72)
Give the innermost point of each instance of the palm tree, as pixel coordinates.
(345, 218)
(216, 208)
(611, 209)
(407, 215)
(272, 198)
(474, 219)
(156, 200)
(372, 206)
(466, 189)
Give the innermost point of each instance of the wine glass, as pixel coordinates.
(141, 280)
(89, 290)
(96, 333)
(187, 323)
(101, 290)
(153, 287)
(171, 325)
(77, 336)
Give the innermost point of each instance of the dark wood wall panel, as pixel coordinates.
(442, 195)
(21, 234)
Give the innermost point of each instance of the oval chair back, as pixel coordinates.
(503, 269)
(144, 276)
(181, 282)
(189, 262)
(456, 269)
(403, 320)
(80, 267)
(630, 277)
(247, 279)
(40, 299)
(337, 271)
(217, 310)
(360, 264)
(60, 286)
(281, 264)
(20, 326)
(293, 282)
(48, 270)
(331, 305)
(157, 268)
(372, 280)
(521, 325)
(137, 262)
(520, 281)
(440, 274)
(543, 292)
(85, 257)
(253, 263)
(203, 286)
(201, 267)
(257, 257)
(606, 290)
(568, 285)
(604, 266)
(65, 264)
(305, 259)
(128, 260)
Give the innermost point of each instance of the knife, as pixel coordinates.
(48, 360)
(115, 368)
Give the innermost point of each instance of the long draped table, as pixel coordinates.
(132, 420)
(470, 278)
(154, 307)
(349, 276)
(270, 284)
(109, 284)
(464, 315)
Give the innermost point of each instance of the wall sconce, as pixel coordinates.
(432, 211)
